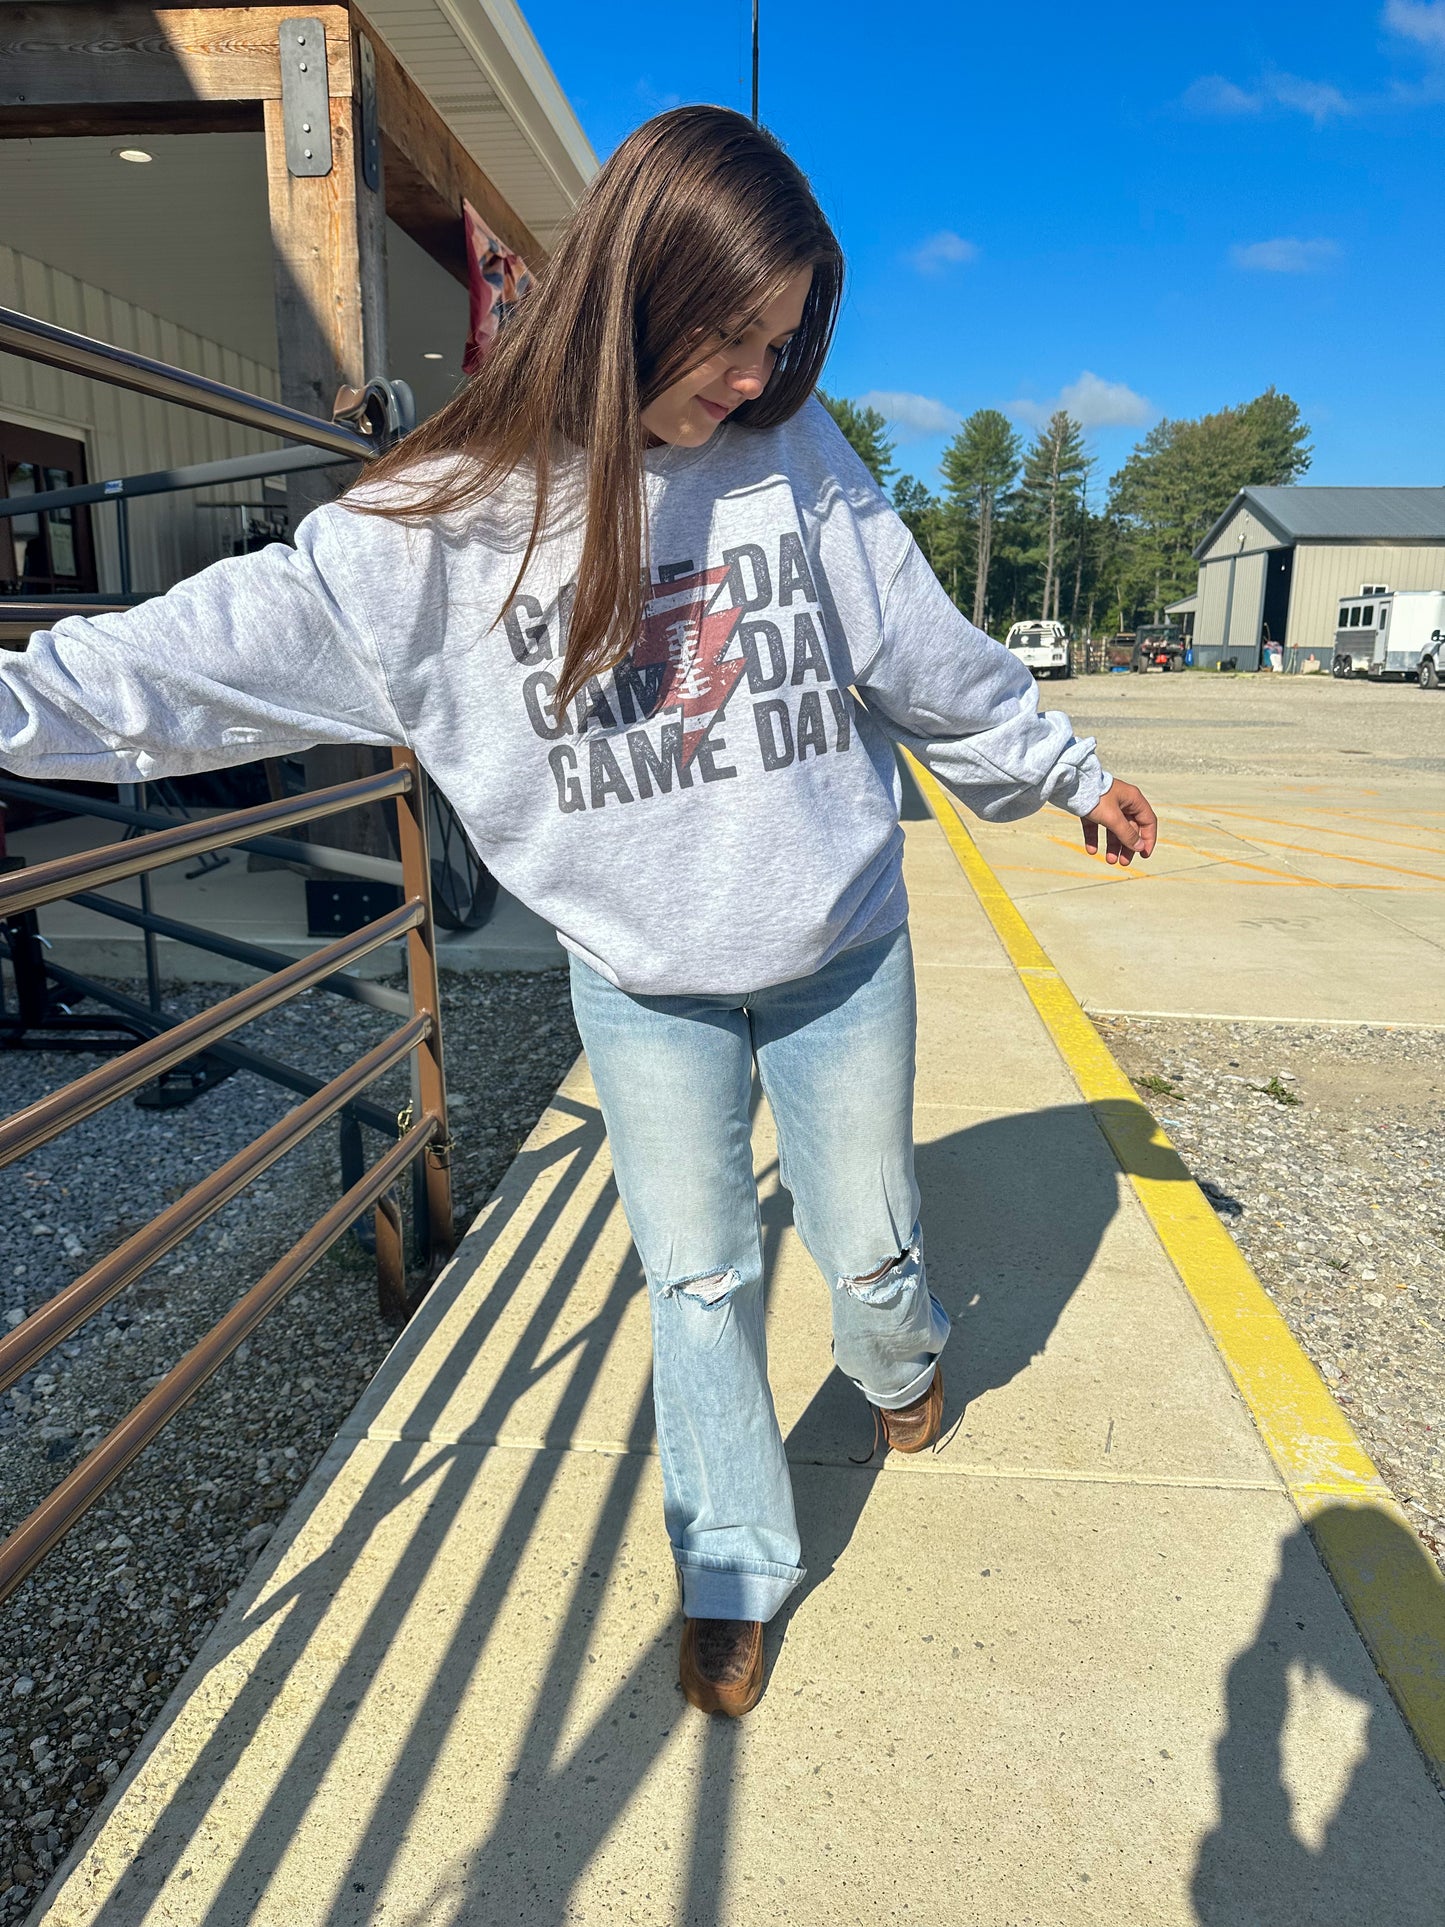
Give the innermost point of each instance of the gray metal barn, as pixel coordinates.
(1278, 560)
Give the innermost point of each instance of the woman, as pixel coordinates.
(645, 618)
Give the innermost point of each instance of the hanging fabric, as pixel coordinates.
(496, 281)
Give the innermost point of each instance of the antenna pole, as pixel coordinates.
(755, 63)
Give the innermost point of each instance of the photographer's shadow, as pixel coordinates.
(1327, 1817)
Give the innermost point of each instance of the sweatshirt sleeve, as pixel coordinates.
(968, 709)
(253, 657)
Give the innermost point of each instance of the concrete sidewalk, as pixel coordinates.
(1083, 1665)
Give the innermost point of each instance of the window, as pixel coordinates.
(1355, 616)
(1384, 611)
(48, 552)
(1344, 621)
(1367, 616)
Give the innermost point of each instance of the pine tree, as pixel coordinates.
(867, 433)
(980, 466)
(1053, 470)
(1182, 477)
(939, 529)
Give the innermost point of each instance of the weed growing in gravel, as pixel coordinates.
(1158, 1086)
(1281, 1093)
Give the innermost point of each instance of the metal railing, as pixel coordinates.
(423, 1135)
(418, 1140)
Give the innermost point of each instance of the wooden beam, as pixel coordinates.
(429, 172)
(117, 121)
(123, 54)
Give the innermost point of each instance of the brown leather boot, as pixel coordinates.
(721, 1665)
(913, 1428)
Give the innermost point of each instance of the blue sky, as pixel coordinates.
(1141, 211)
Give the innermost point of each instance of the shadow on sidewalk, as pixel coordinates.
(1295, 1844)
(1015, 1208)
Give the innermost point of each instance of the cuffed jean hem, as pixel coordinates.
(733, 1592)
(895, 1401)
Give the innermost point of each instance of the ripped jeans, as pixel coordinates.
(835, 1053)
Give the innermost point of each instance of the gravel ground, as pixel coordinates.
(1320, 1149)
(92, 1644)
(1308, 729)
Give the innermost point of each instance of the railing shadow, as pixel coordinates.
(1007, 1253)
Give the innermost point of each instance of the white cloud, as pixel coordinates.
(1316, 99)
(911, 415)
(1286, 255)
(1420, 20)
(1093, 403)
(1213, 94)
(943, 250)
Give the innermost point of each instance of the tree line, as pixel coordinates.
(1017, 532)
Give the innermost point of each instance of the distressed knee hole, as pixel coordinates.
(885, 1285)
(707, 1288)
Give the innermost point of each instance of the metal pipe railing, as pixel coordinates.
(43, 1330)
(43, 341)
(27, 1130)
(150, 1024)
(91, 869)
(171, 481)
(357, 989)
(48, 1524)
(422, 1145)
(313, 856)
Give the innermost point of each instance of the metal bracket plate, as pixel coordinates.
(370, 121)
(305, 98)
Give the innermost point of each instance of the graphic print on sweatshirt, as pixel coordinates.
(747, 629)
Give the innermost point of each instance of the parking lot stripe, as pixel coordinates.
(1309, 829)
(1390, 1584)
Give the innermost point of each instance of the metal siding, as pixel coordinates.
(1213, 595)
(1256, 536)
(1247, 609)
(1324, 571)
(124, 433)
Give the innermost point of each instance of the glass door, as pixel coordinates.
(50, 552)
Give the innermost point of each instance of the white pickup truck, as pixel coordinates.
(1043, 646)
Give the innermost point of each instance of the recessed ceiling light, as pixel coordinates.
(432, 354)
(132, 154)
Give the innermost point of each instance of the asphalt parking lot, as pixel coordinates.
(1274, 982)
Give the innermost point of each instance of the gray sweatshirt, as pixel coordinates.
(718, 813)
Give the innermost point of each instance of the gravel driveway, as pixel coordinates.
(92, 1644)
(1321, 1150)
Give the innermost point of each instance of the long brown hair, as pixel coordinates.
(696, 222)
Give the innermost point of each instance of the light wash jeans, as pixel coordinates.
(674, 1075)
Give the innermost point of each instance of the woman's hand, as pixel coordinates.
(1130, 827)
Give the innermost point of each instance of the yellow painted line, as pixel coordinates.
(1392, 1587)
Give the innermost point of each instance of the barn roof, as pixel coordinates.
(1340, 514)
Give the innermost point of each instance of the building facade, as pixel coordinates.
(146, 201)
(1277, 562)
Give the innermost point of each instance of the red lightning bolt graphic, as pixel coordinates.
(684, 633)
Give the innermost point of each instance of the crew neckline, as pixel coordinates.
(668, 457)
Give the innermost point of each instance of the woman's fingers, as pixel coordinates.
(1130, 826)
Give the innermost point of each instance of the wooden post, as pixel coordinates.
(328, 235)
